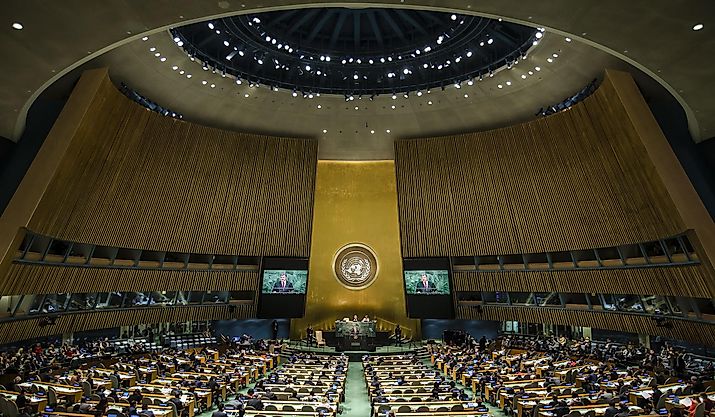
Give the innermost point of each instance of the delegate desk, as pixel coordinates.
(422, 406)
(264, 413)
(189, 401)
(72, 393)
(490, 393)
(599, 409)
(685, 401)
(126, 379)
(647, 392)
(36, 402)
(444, 413)
(158, 410)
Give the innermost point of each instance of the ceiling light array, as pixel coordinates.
(372, 131)
(364, 72)
(348, 97)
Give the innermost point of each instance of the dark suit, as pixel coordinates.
(278, 286)
(425, 289)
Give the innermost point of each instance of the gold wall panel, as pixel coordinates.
(355, 202)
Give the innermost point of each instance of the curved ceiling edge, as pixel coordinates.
(693, 123)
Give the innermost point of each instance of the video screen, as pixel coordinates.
(284, 287)
(427, 282)
(282, 281)
(427, 288)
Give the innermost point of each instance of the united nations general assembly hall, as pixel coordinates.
(382, 208)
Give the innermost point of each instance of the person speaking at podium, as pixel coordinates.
(425, 285)
(283, 284)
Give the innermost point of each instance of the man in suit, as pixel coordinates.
(283, 285)
(274, 329)
(425, 285)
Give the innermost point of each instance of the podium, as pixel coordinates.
(352, 335)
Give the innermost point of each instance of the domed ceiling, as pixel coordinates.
(355, 52)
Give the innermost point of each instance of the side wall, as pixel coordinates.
(114, 174)
(600, 174)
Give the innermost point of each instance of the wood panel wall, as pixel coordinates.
(17, 330)
(686, 281)
(699, 333)
(134, 178)
(43, 279)
(578, 179)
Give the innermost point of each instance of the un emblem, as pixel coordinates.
(355, 266)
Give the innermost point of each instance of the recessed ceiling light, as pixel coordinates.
(319, 106)
(500, 86)
(508, 83)
(158, 54)
(204, 82)
(549, 60)
(568, 39)
(429, 103)
(17, 26)
(387, 131)
(537, 68)
(523, 76)
(325, 130)
(213, 85)
(466, 96)
(188, 75)
(699, 26)
(372, 132)
(246, 95)
(181, 72)
(146, 38)
(555, 55)
(162, 59)
(152, 49)
(357, 108)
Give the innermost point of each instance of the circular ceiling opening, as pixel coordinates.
(355, 52)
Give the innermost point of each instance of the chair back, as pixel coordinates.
(3, 406)
(700, 410)
(86, 389)
(404, 409)
(51, 397)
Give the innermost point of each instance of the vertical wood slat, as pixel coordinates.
(698, 333)
(133, 178)
(678, 281)
(41, 279)
(27, 329)
(578, 179)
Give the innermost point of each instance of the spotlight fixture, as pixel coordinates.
(697, 27)
(435, 60)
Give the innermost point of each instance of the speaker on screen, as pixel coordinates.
(427, 283)
(284, 283)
